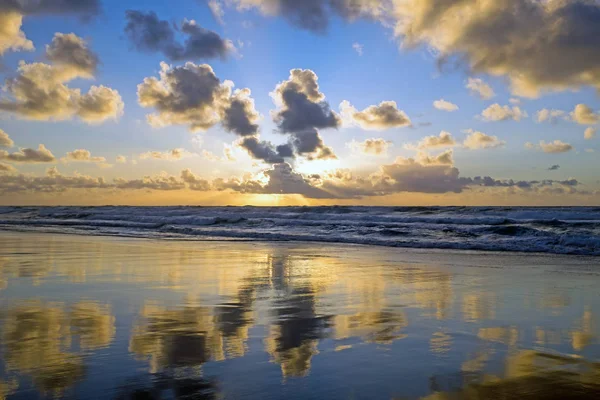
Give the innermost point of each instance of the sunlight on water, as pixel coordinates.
(90, 317)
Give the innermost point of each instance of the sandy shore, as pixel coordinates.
(295, 320)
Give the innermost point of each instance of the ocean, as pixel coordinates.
(553, 230)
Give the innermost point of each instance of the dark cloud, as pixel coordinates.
(540, 46)
(302, 111)
(71, 51)
(193, 95)
(240, 116)
(58, 7)
(314, 15)
(263, 150)
(303, 106)
(554, 167)
(282, 179)
(12, 13)
(148, 33)
(189, 95)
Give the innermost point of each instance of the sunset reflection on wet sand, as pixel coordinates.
(92, 317)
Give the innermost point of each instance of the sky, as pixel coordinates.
(281, 102)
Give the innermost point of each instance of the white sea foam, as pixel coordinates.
(558, 230)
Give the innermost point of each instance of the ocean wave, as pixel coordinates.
(555, 230)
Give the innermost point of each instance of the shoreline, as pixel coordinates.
(414, 254)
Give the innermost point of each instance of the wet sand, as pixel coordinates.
(98, 317)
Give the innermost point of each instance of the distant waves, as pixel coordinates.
(556, 230)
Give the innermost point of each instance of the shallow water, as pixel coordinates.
(94, 317)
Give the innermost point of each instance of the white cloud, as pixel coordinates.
(480, 88)
(358, 48)
(376, 147)
(590, 133)
(554, 147)
(171, 155)
(216, 8)
(444, 139)
(82, 155)
(584, 115)
(479, 140)
(386, 115)
(549, 115)
(5, 140)
(496, 112)
(444, 105)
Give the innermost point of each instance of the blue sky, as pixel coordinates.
(268, 48)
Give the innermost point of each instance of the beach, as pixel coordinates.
(113, 317)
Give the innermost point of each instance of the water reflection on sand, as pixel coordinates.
(114, 318)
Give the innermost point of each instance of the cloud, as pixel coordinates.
(302, 111)
(266, 151)
(496, 112)
(26, 155)
(404, 175)
(39, 91)
(241, 117)
(555, 167)
(444, 105)
(7, 168)
(5, 140)
(53, 181)
(163, 182)
(70, 51)
(376, 147)
(171, 155)
(121, 159)
(11, 35)
(554, 147)
(302, 105)
(227, 155)
(538, 45)
(358, 48)
(584, 115)
(589, 133)
(315, 15)
(480, 88)
(194, 182)
(479, 140)
(194, 96)
(186, 95)
(82, 155)
(551, 116)
(150, 34)
(281, 179)
(216, 8)
(386, 115)
(12, 13)
(444, 139)
(444, 158)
